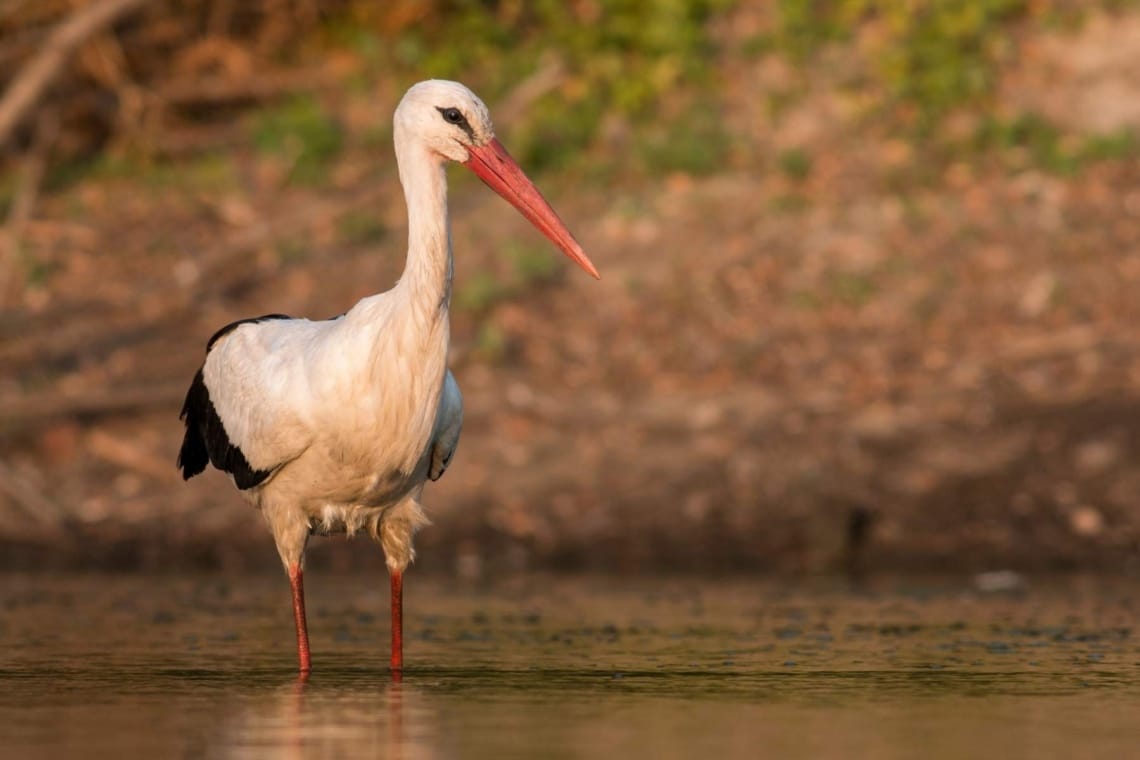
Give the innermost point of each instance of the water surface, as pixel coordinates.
(173, 667)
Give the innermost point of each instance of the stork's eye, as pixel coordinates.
(453, 116)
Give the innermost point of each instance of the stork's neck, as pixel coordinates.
(426, 281)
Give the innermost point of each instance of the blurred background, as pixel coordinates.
(870, 296)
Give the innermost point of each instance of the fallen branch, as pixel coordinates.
(29, 84)
(1069, 341)
(129, 456)
(33, 408)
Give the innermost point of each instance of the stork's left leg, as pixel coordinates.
(396, 528)
(397, 661)
(291, 533)
(297, 581)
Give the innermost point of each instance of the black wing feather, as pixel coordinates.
(206, 440)
(234, 325)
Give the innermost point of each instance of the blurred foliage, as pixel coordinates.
(491, 343)
(1015, 143)
(795, 164)
(292, 251)
(203, 172)
(789, 203)
(1029, 138)
(531, 267)
(927, 58)
(601, 88)
(479, 292)
(930, 54)
(608, 62)
(361, 228)
(612, 74)
(300, 131)
(851, 288)
(693, 142)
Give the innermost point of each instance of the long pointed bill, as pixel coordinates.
(496, 167)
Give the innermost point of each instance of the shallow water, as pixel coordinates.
(173, 667)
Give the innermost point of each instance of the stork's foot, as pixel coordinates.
(397, 661)
(297, 581)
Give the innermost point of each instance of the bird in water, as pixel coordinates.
(335, 426)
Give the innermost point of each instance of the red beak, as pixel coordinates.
(496, 167)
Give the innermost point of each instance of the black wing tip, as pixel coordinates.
(190, 468)
(206, 440)
(193, 456)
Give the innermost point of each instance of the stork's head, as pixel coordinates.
(454, 124)
(446, 117)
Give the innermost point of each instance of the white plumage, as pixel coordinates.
(334, 426)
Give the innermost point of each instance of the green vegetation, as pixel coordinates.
(929, 56)
(795, 164)
(1032, 139)
(479, 292)
(36, 270)
(301, 132)
(592, 62)
(948, 55)
(201, 173)
(8, 186)
(789, 203)
(532, 266)
(622, 89)
(646, 70)
(694, 142)
(491, 342)
(851, 289)
(361, 227)
(927, 59)
(292, 250)
(1123, 143)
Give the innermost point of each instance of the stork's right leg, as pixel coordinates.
(292, 534)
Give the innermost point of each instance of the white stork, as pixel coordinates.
(335, 426)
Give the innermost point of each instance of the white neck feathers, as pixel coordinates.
(426, 282)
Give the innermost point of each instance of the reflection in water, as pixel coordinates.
(396, 719)
(349, 717)
(112, 668)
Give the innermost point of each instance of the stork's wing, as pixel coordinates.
(244, 409)
(448, 423)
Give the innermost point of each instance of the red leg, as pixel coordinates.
(397, 622)
(296, 580)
